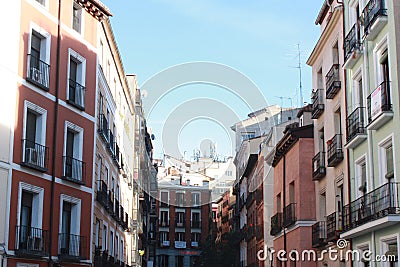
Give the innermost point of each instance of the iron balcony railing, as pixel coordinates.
(317, 103)
(318, 234)
(76, 95)
(102, 195)
(110, 144)
(379, 101)
(34, 155)
(276, 223)
(372, 11)
(38, 72)
(352, 41)
(103, 127)
(180, 223)
(333, 83)
(163, 223)
(31, 241)
(74, 170)
(71, 247)
(319, 168)
(196, 224)
(355, 123)
(335, 150)
(374, 205)
(110, 202)
(289, 215)
(116, 210)
(333, 226)
(116, 156)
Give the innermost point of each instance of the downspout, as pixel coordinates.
(53, 158)
(345, 110)
(284, 203)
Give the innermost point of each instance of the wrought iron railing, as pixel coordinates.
(352, 41)
(76, 94)
(38, 72)
(372, 11)
(333, 226)
(379, 101)
(319, 167)
(74, 170)
(355, 123)
(333, 83)
(289, 214)
(103, 127)
(318, 234)
(72, 247)
(317, 103)
(335, 150)
(34, 155)
(276, 223)
(31, 241)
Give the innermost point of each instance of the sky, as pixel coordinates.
(257, 39)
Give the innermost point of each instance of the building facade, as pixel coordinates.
(184, 216)
(371, 52)
(329, 112)
(51, 185)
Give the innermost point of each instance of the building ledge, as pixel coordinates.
(355, 141)
(371, 226)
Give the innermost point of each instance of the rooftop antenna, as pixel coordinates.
(300, 85)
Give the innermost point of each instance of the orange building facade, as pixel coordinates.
(53, 141)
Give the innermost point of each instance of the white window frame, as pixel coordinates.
(379, 48)
(75, 213)
(111, 246)
(37, 214)
(357, 173)
(382, 145)
(82, 16)
(199, 199)
(104, 242)
(45, 44)
(361, 248)
(116, 246)
(358, 75)
(81, 71)
(42, 113)
(122, 249)
(79, 132)
(384, 246)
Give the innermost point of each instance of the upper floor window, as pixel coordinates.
(76, 80)
(42, 2)
(386, 159)
(69, 240)
(74, 167)
(77, 17)
(180, 199)
(38, 58)
(195, 199)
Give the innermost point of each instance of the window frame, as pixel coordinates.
(38, 193)
(76, 209)
(41, 112)
(81, 14)
(382, 146)
(81, 71)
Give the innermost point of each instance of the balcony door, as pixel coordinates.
(25, 219)
(66, 247)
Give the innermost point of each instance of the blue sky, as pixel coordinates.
(258, 38)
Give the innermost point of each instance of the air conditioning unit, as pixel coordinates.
(36, 75)
(31, 156)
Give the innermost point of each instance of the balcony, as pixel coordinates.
(34, 155)
(31, 242)
(352, 47)
(76, 95)
(163, 223)
(318, 105)
(100, 258)
(194, 244)
(335, 150)
(289, 215)
(103, 128)
(110, 144)
(71, 247)
(379, 106)
(180, 223)
(38, 72)
(333, 226)
(378, 208)
(333, 83)
(164, 243)
(102, 195)
(318, 234)
(356, 132)
(116, 156)
(319, 169)
(180, 244)
(276, 223)
(196, 224)
(74, 170)
(116, 210)
(374, 18)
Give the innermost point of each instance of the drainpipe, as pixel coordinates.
(284, 204)
(53, 159)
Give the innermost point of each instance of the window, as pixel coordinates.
(195, 199)
(389, 161)
(104, 237)
(247, 135)
(180, 219)
(76, 81)
(69, 239)
(121, 250)
(180, 199)
(117, 247)
(111, 246)
(97, 233)
(77, 17)
(38, 58)
(361, 176)
(164, 236)
(164, 217)
(228, 173)
(195, 237)
(180, 236)
(42, 2)
(164, 198)
(163, 260)
(74, 168)
(386, 159)
(34, 152)
(196, 216)
(99, 170)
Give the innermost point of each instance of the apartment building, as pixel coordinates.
(114, 241)
(330, 173)
(50, 188)
(294, 193)
(184, 215)
(371, 56)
